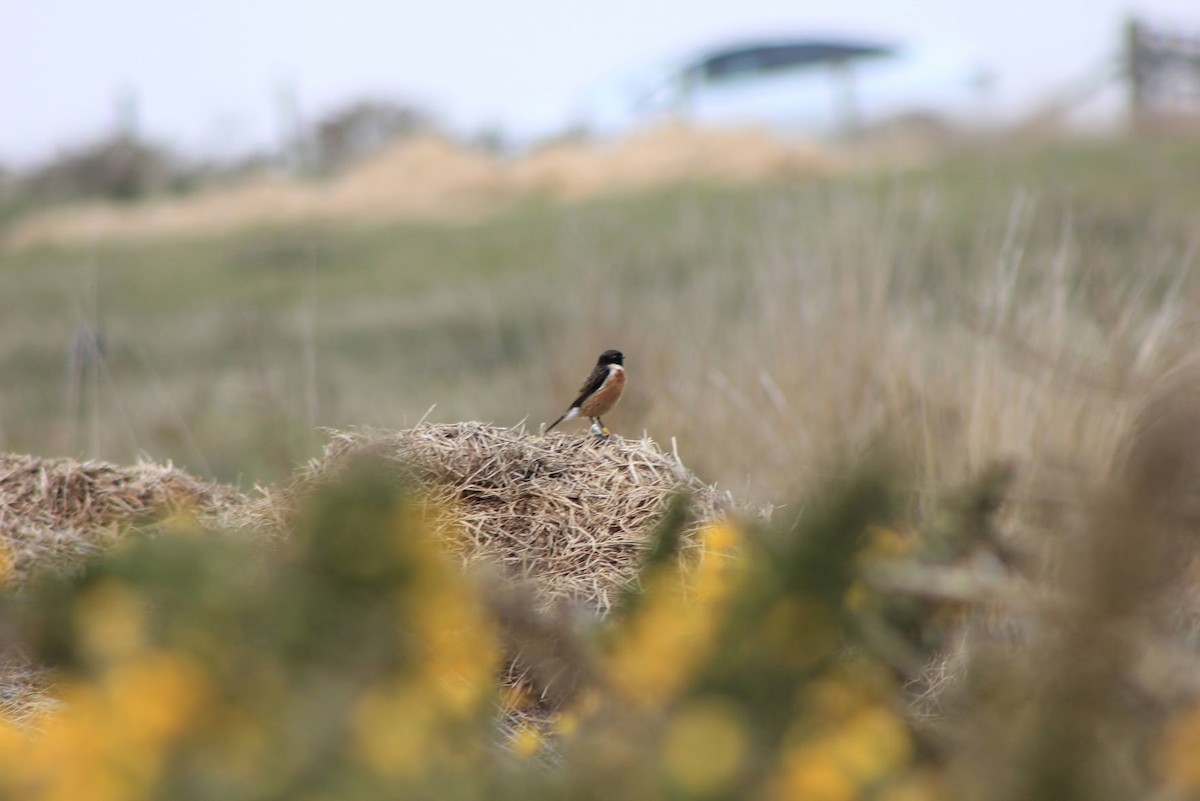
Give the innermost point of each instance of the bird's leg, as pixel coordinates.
(598, 428)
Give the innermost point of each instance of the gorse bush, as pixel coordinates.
(194, 665)
(353, 659)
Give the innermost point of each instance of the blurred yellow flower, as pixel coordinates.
(460, 649)
(849, 741)
(853, 686)
(883, 542)
(567, 722)
(110, 621)
(112, 736)
(834, 698)
(7, 566)
(1178, 754)
(394, 728)
(873, 743)
(810, 772)
(157, 696)
(674, 628)
(462, 652)
(527, 741)
(705, 746)
(721, 538)
(182, 522)
(918, 785)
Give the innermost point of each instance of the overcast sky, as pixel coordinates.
(207, 75)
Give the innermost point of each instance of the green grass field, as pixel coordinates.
(1000, 303)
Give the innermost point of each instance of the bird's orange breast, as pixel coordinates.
(603, 399)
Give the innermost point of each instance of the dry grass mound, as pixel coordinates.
(426, 177)
(54, 513)
(666, 155)
(572, 514)
(421, 177)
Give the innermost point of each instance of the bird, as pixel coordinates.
(599, 393)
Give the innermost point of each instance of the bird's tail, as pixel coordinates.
(569, 414)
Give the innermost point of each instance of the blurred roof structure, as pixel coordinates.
(815, 85)
(768, 57)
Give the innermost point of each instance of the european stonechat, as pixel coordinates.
(599, 393)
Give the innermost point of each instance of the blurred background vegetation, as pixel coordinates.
(993, 300)
(956, 372)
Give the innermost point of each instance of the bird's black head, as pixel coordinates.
(611, 357)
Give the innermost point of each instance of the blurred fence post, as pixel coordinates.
(1134, 74)
(1162, 70)
(846, 91)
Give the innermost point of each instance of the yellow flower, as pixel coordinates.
(157, 696)
(674, 628)
(394, 729)
(810, 771)
(720, 539)
(705, 746)
(857, 597)
(112, 736)
(660, 647)
(527, 741)
(872, 744)
(110, 621)
(919, 785)
(887, 543)
(567, 722)
(832, 699)
(1177, 749)
(8, 566)
(459, 645)
(849, 742)
(852, 687)
(182, 522)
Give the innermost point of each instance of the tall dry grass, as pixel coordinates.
(846, 322)
(995, 307)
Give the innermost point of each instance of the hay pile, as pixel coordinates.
(572, 514)
(54, 513)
